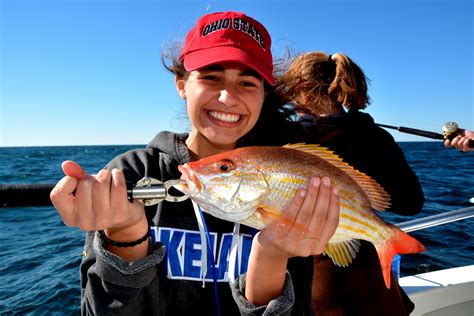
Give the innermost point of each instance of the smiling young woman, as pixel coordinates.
(225, 74)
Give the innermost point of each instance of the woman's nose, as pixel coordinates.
(228, 97)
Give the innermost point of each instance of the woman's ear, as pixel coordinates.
(180, 87)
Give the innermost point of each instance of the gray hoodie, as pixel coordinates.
(168, 281)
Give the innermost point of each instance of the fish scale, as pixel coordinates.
(258, 183)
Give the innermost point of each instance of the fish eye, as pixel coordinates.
(225, 166)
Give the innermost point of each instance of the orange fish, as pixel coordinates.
(252, 185)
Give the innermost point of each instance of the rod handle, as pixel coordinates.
(18, 195)
(26, 195)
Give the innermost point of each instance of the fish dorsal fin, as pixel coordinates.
(342, 252)
(379, 199)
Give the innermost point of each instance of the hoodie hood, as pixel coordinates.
(172, 144)
(329, 129)
(347, 120)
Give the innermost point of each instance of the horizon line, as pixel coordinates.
(97, 145)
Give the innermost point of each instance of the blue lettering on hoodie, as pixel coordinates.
(183, 253)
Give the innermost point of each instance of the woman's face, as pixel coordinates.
(223, 103)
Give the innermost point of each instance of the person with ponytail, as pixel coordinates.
(329, 93)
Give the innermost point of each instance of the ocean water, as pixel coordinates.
(40, 257)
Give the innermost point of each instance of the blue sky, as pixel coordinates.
(76, 72)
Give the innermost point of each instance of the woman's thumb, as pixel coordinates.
(72, 169)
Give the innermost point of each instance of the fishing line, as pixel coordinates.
(211, 254)
(234, 257)
(202, 234)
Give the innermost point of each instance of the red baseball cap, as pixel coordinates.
(229, 37)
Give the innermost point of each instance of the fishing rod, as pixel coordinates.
(148, 190)
(414, 131)
(450, 130)
(151, 191)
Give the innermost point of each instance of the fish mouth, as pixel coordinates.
(188, 175)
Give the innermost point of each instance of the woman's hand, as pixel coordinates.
(309, 222)
(100, 203)
(461, 142)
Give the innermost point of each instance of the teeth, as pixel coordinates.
(226, 117)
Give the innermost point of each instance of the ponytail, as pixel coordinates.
(349, 86)
(320, 76)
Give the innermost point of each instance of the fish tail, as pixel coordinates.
(399, 243)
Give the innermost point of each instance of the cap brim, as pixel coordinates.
(214, 55)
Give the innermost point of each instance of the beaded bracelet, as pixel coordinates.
(123, 244)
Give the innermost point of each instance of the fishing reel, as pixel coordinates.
(451, 130)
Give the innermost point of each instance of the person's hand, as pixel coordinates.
(461, 142)
(98, 203)
(307, 225)
(309, 222)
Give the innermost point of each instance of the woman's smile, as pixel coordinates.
(224, 119)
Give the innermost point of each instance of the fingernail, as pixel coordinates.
(101, 171)
(326, 181)
(316, 182)
(336, 191)
(303, 193)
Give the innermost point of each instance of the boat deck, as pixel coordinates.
(444, 292)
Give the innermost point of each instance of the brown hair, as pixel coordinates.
(170, 60)
(319, 75)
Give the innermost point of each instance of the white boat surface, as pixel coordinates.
(448, 292)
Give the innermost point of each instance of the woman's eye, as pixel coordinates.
(248, 84)
(225, 166)
(210, 77)
(251, 82)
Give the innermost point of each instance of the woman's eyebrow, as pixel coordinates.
(213, 68)
(250, 72)
(246, 72)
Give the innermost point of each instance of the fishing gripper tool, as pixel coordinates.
(152, 191)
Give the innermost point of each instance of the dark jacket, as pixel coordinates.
(359, 289)
(372, 150)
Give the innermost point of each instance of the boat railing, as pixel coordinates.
(436, 220)
(430, 221)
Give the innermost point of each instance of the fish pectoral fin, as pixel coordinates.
(342, 252)
(267, 215)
